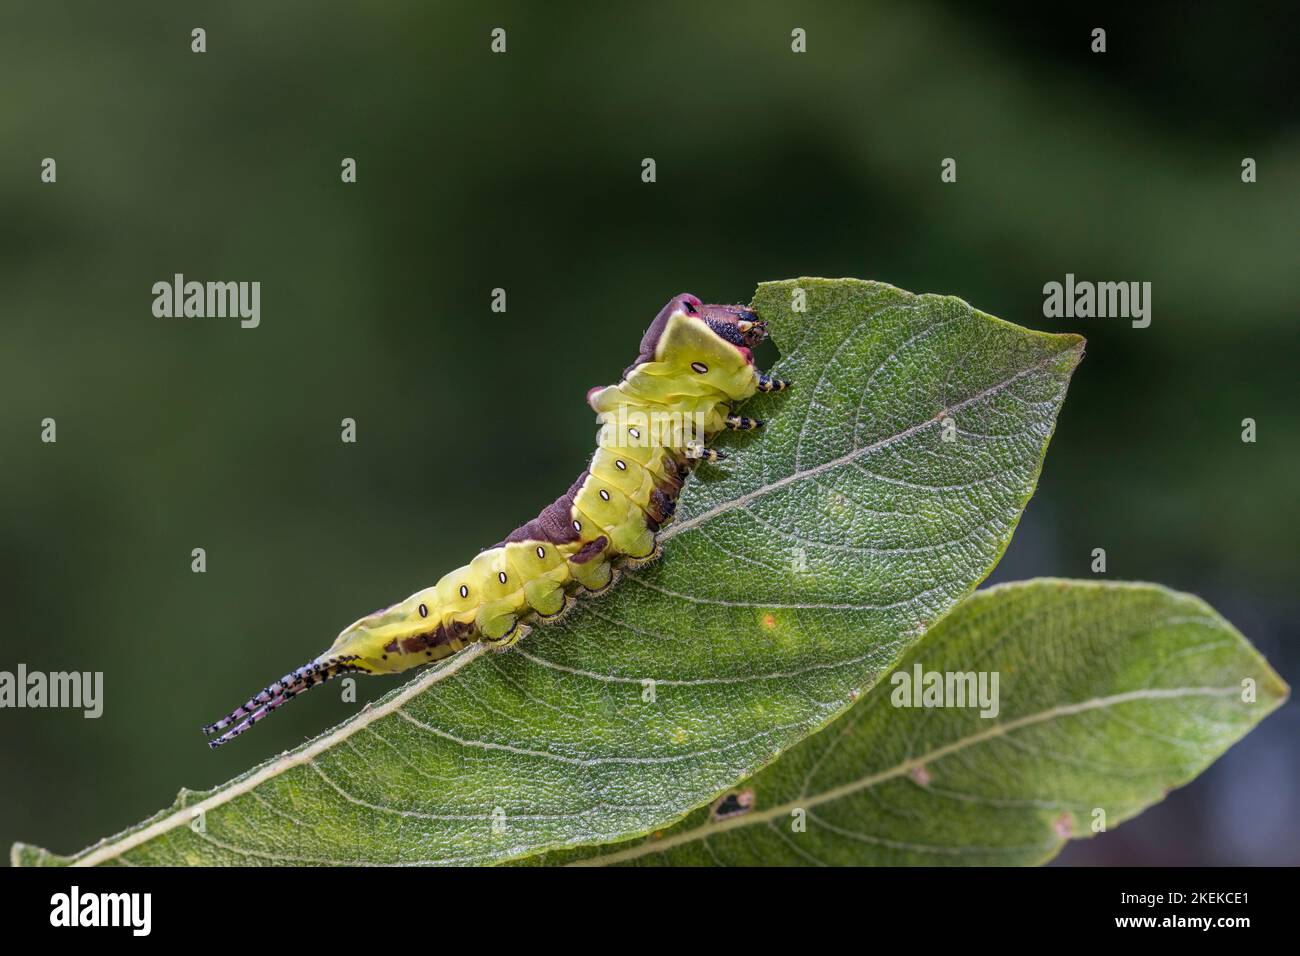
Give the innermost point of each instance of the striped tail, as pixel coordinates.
(274, 696)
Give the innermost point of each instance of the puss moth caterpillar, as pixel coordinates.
(695, 361)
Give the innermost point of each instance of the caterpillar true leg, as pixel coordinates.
(695, 361)
(700, 453)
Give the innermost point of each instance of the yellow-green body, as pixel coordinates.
(650, 422)
(694, 362)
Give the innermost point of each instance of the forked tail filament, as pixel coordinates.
(274, 696)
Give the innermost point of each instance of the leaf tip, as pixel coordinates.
(1274, 687)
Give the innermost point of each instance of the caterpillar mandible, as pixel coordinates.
(695, 361)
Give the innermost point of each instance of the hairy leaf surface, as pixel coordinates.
(1109, 696)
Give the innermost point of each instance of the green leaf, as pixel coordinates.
(796, 573)
(1110, 695)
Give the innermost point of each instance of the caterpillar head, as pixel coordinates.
(731, 323)
(736, 325)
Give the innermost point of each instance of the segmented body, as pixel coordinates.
(694, 363)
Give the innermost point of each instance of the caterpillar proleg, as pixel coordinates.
(695, 361)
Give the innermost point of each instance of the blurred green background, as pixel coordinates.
(522, 171)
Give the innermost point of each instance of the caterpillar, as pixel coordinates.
(694, 363)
